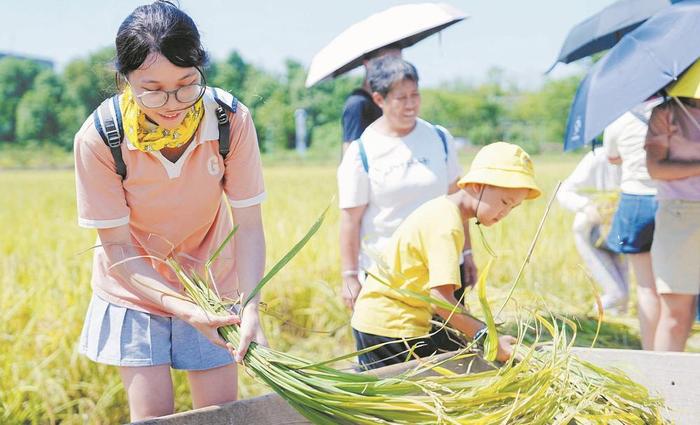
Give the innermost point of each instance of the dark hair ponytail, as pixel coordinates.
(160, 27)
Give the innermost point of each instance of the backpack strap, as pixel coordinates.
(108, 122)
(443, 138)
(363, 154)
(227, 103)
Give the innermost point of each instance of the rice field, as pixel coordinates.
(44, 287)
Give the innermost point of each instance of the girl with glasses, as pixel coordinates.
(169, 205)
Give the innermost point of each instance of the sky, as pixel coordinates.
(522, 37)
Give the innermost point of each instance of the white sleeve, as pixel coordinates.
(454, 169)
(582, 177)
(353, 181)
(610, 136)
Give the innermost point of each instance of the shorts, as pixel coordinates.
(396, 351)
(632, 228)
(674, 255)
(121, 336)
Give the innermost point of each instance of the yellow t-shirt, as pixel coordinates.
(423, 253)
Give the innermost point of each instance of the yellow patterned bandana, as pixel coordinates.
(146, 136)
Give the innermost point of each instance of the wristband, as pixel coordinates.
(349, 273)
(466, 252)
(480, 336)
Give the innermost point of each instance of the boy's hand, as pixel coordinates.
(351, 289)
(506, 344)
(471, 273)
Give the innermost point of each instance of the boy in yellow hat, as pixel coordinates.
(423, 257)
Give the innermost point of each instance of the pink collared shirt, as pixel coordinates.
(677, 130)
(175, 209)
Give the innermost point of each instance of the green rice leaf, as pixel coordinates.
(491, 343)
(287, 257)
(221, 247)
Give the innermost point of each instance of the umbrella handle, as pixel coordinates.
(685, 110)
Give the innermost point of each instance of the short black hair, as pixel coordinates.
(383, 72)
(160, 27)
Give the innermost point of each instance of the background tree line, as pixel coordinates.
(39, 106)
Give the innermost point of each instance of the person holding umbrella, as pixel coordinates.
(673, 160)
(399, 162)
(360, 110)
(383, 33)
(657, 53)
(633, 224)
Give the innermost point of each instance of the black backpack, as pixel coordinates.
(108, 122)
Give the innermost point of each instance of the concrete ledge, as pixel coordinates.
(673, 376)
(269, 409)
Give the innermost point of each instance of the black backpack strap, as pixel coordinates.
(108, 122)
(227, 103)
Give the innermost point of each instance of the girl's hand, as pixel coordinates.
(250, 332)
(208, 324)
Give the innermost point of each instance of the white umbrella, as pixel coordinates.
(402, 26)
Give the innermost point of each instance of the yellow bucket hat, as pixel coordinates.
(688, 85)
(504, 165)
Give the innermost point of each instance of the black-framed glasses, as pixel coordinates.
(185, 94)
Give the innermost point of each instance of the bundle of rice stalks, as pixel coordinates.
(546, 385)
(606, 202)
(613, 333)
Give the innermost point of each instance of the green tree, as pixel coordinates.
(272, 99)
(541, 115)
(38, 111)
(324, 105)
(16, 78)
(472, 112)
(262, 93)
(88, 81)
(229, 74)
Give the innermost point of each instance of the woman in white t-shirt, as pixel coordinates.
(399, 162)
(633, 225)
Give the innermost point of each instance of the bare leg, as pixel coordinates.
(150, 391)
(647, 298)
(603, 267)
(620, 270)
(675, 318)
(213, 386)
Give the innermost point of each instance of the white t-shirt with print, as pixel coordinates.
(404, 172)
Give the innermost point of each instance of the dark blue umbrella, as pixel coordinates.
(642, 63)
(604, 29)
